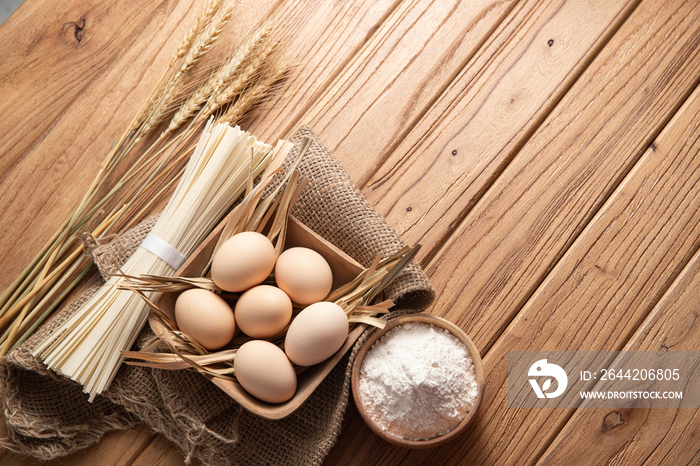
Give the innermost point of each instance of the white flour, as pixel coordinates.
(418, 381)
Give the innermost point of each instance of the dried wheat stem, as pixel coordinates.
(45, 258)
(198, 40)
(246, 63)
(36, 321)
(255, 95)
(15, 291)
(46, 280)
(203, 18)
(58, 288)
(203, 42)
(30, 299)
(213, 88)
(163, 104)
(45, 286)
(192, 106)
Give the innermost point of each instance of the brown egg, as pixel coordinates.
(263, 311)
(243, 261)
(206, 317)
(304, 275)
(264, 371)
(316, 333)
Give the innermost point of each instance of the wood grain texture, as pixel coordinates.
(654, 436)
(320, 37)
(74, 68)
(601, 290)
(668, 171)
(442, 167)
(161, 452)
(397, 75)
(424, 181)
(537, 207)
(115, 449)
(77, 45)
(605, 286)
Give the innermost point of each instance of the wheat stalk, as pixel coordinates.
(224, 85)
(204, 17)
(257, 93)
(197, 42)
(251, 56)
(208, 36)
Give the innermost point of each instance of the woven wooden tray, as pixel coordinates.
(344, 270)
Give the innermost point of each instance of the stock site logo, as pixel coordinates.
(541, 369)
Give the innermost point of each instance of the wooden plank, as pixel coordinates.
(116, 449)
(397, 75)
(607, 282)
(538, 206)
(534, 211)
(77, 46)
(160, 452)
(320, 38)
(494, 64)
(652, 435)
(474, 130)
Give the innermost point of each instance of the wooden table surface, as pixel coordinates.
(544, 152)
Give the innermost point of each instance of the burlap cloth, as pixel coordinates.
(48, 416)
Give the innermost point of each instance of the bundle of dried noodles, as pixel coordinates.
(87, 347)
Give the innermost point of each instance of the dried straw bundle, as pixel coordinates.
(86, 348)
(140, 170)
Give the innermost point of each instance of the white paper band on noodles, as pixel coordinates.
(164, 251)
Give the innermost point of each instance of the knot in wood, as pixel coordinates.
(612, 419)
(78, 29)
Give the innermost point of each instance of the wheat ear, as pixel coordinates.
(204, 17)
(211, 91)
(252, 56)
(256, 94)
(198, 46)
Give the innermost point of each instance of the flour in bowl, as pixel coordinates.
(418, 381)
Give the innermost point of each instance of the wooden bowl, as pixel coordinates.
(344, 270)
(376, 335)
